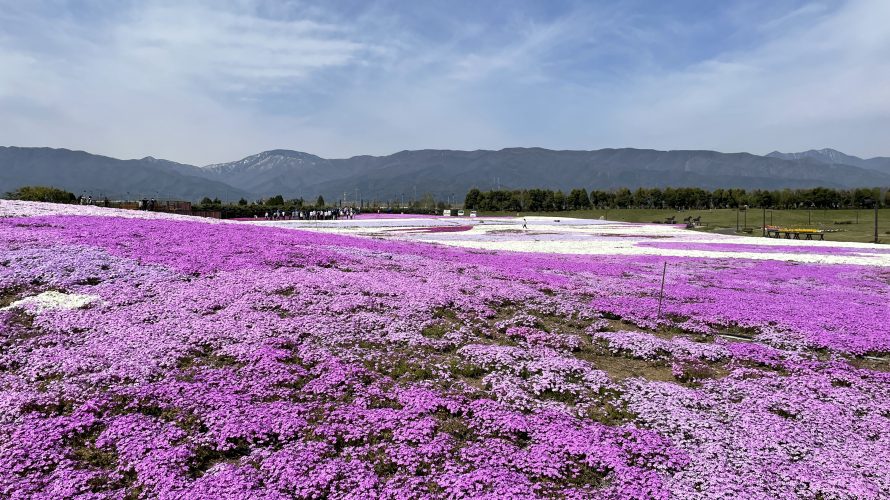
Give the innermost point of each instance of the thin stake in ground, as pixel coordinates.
(661, 293)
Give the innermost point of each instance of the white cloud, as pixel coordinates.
(806, 87)
(181, 82)
(205, 82)
(231, 51)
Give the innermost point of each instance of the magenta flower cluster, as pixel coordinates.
(232, 361)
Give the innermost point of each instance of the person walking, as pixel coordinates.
(524, 225)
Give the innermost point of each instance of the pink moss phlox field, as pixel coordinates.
(376, 216)
(645, 346)
(232, 361)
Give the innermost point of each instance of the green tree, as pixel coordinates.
(42, 193)
(242, 202)
(623, 198)
(602, 199)
(319, 202)
(536, 200)
(578, 199)
(549, 201)
(472, 199)
(763, 199)
(559, 201)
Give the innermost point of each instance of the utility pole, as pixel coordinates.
(876, 221)
(764, 220)
(737, 208)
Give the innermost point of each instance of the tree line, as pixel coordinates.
(549, 200)
(42, 193)
(245, 208)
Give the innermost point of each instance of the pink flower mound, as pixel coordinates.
(645, 346)
(230, 361)
(398, 216)
(436, 229)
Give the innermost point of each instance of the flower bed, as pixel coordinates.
(225, 360)
(434, 229)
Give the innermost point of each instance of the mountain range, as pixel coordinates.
(834, 157)
(441, 173)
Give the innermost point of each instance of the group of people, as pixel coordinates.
(330, 214)
(88, 200)
(147, 204)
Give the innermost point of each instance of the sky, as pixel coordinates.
(213, 81)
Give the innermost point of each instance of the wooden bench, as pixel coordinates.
(793, 235)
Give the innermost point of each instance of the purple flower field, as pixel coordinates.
(240, 361)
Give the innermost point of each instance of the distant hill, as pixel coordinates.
(446, 172)
(834, 157)
(442, 173)
(100, 176)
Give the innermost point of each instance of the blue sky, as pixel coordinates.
(204, 82)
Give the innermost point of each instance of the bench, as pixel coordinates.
(789, 234)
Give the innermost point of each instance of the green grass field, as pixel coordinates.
(840, 225)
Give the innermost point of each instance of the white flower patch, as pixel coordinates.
(17, 208)
(52, 300)
(566, 235)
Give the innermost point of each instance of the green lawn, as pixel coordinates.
(724, 220)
